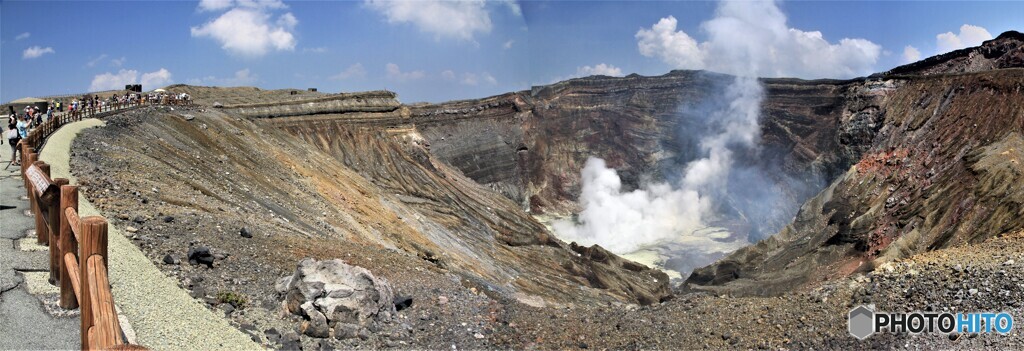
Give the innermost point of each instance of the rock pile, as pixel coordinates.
(334, 298)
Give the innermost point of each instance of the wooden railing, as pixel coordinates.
(78, 246)
(78, 253)
(39, 134)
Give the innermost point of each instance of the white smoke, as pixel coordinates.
(742, 40)
(623, 222)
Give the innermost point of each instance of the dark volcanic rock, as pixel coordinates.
(200, 255)
(402, 302)
(245, 233)
(272, 335)
(291, 345)
(171, 259)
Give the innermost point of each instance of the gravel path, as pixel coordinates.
(163, 315)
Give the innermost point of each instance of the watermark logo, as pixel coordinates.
(863, 322)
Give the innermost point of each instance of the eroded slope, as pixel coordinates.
(943, 170)
(317, 182)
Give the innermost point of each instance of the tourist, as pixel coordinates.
(37, 116)
(28, 114)
(13, 137)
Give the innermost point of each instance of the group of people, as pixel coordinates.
(167, 99)
(17, 129)
(95, 102)
(19, 124)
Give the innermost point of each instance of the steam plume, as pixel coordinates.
(742, 40)
(626, 221)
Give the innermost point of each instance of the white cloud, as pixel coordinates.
(113, 81)
(755, 40)
(353, 71)
(969, 36)
(214, 5)
(599, 69)
(453, 19)
(219, 5)
(117, 81)
(513, 6)
(316, 50)
(155, 79)
(262, 4)
(93, 62)
(247, 31)
(395, 73)
(118, 62)
(448, 75)
(675, 48)
(287, 20)
(508, 44)
(23, 36)
(911, 54)
(36, 51)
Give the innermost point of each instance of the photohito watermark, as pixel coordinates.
(864, 321)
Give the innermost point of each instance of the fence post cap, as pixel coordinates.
(94, 220)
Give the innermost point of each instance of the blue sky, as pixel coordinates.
(437, 51)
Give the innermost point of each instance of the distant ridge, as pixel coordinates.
(1005, 51)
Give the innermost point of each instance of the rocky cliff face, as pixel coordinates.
(938, 166)
(1004, 51)
(366, 104)
(531, 146)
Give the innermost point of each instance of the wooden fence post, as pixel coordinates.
(25, 160)
(94, 242)
(41, 232)
(68, 199)
(54, 215)
(105, 331)
(25, 163)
